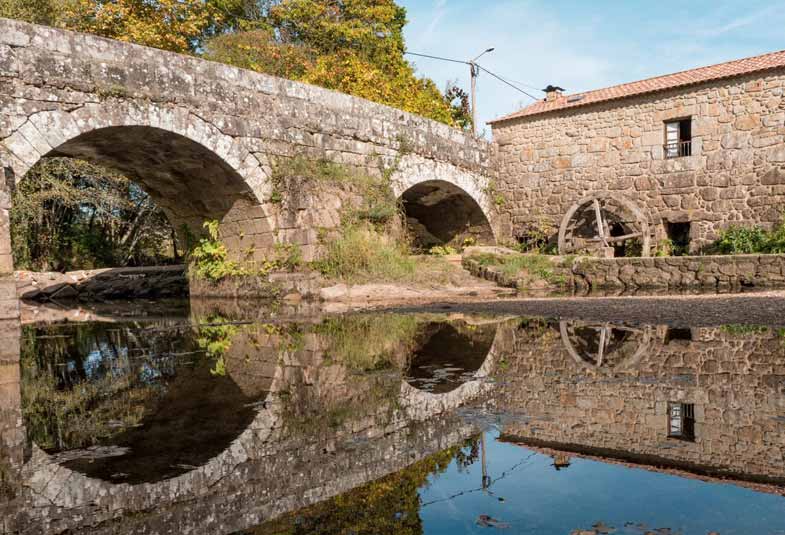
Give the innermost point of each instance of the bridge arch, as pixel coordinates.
(189, 168)
(444, 204)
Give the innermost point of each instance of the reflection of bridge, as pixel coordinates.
(284, 460)
(203, 139)
(708, 401)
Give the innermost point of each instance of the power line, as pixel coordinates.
(437, 57)
(508, 83)
(482, 68)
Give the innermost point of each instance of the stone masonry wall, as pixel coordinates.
(736, 172)
(582, 274)
(734, 377)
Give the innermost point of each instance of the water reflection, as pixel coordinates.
(392, 423)
(129, 402)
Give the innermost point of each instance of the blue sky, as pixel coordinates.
(583, 45)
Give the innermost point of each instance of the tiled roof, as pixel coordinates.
(729, 69)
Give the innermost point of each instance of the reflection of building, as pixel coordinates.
(712, 404)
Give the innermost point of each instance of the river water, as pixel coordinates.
(223, 419)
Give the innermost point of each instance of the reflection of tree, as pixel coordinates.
(82, 384)
(390, 505)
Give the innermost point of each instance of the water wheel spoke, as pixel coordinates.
(600, 222)
(625, 237)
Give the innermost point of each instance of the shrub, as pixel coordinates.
(362, 253)
(742, 240)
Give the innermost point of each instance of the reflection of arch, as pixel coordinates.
(419, 404)
(448, 354)
(605, 346)
(188, 166)
(167, 411)
(441, 182)
(604, 220)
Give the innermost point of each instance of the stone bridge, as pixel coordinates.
(203, 138)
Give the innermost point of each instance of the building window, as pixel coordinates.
(681, 421)
(678, 138)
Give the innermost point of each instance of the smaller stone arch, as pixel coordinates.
(444, 204)
(420, 404)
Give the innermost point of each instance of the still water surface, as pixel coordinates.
(393, 423)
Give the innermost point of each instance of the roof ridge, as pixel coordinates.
(563, 102)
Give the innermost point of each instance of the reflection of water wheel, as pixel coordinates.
(605, 345)
(604, 222)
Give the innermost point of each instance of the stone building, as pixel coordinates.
(681, 156)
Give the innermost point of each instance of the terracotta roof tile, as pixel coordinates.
(729, 69)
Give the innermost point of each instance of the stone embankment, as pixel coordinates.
(103, 284)
(581, 274)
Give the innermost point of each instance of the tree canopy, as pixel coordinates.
(353, 46)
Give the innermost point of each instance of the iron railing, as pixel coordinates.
(678, 149)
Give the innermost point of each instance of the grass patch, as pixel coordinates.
(361, 253)
(512, 266)
(743, 330)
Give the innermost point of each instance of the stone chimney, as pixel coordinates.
(553, 92)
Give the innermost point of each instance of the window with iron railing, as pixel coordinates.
(681, 421)
(678, 138)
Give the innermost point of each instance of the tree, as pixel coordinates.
(69, 214)
(34, 11)
(353, 46)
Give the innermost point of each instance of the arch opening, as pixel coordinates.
(439, 213)
(187, 181)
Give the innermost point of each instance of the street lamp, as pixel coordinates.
(475, 72)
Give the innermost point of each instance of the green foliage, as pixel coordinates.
(362, 253)
(522, 266)
(69, 214)
(664, 248)
(210, 258)
(744, 330)
(537, 237)
(441, 250)
(742, 240)
(496, 196)
(355, 47)
(34, 11)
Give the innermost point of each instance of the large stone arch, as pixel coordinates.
(188, 166)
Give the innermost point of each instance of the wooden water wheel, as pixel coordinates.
(606, 225)
(605, 346)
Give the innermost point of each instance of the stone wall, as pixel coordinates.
(583, 274)
(736, 172)
(734, 376)
(204, 138)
